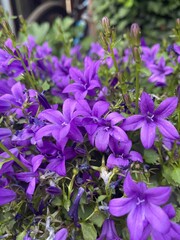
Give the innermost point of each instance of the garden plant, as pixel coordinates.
(90, 139)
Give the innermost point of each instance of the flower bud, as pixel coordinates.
(135, 33)
(106, 27)
(103, 41)
(105, 23)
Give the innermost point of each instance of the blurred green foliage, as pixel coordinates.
(155, 17)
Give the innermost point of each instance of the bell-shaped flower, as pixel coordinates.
(143, 205)
(108, 231)
(149, 119)
(73, 212)
(122, 156)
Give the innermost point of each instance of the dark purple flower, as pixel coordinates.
(159, 72)
(108, 231)
(53, 190)
(143, 205)
(73, 212)
(6, 196)
(150, 119)
(62, 234)
(177, 51)
(121, 156)
(43, 101)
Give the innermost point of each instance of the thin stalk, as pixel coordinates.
(137, 86)
(13, 157)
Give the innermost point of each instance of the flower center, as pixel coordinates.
(150, 117)
(139, 201)
(64, 124)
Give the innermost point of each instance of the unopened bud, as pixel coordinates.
(113, 35)
(135, 33)
(106, 27)
(105, 22)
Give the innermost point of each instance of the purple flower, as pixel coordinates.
(149, 54)
(61, 124)
(86, 82)
(159, 72)
(143, 205)
(73, 212)
(61, 234)
(173, 233)
(177, 51)
(150, 118)
(6, 196)
(109, 231)
(121, 156)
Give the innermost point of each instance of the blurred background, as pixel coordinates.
(155, 17)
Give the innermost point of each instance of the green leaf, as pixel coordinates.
(98, 218)
(176, 175)
(145, 71)
(45, 86)
(21, 235)
(88, 231)
(151, 156)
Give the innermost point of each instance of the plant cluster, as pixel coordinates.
(90, 143)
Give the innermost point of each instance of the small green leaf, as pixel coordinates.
(151, 156)
(88, 231)
(176, 175)
(21, 235)
(45, 86)
(98, 218)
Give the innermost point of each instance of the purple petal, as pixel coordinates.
(113, 161)
(133, 123)
(76, 74)
(148, 134)
(119, 134)
(4, 106)
(158, 195)
(167, 129)
(69, 106)
(135, 222)
(63, 132)
(36, 162)
(170, 211)
(57, 165)
(135, 156)
(51, 115)
(157, 218)
(146, 104)
(100, 108)
(115, 118)
(101, 139)
(31, 187)
(167, 107)
(61, 234)
(17, 91)
(5, 132)
(6, 196)
(75, 134)
(130, 186)
(121, 206)
(74, 87)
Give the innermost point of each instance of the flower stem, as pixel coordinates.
(137, 86)
(13, 157)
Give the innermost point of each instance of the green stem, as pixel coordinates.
(137, 86)
(30, 78)
(114, 59)
(13, 157)
(178, 127)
